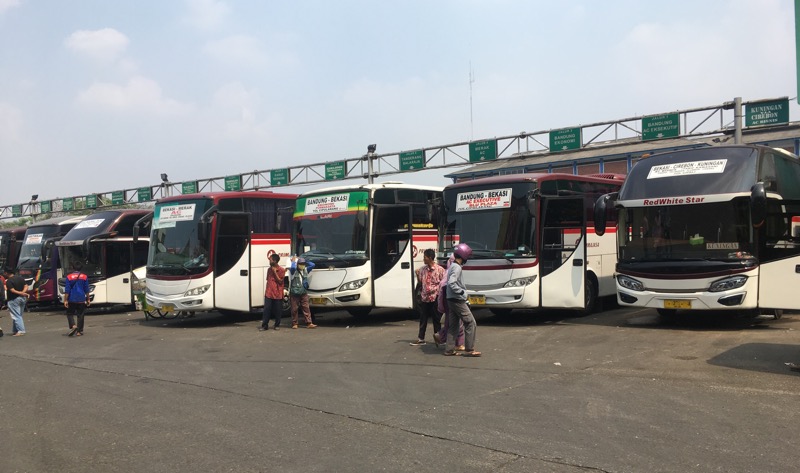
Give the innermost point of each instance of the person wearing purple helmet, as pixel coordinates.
(458, 310)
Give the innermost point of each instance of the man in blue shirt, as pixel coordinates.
(76, 298)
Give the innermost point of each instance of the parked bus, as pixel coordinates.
(366, 241)
(709, 229)
(529, 239)
(103, 244)
(210, 250)
(10, 244)
(38, 259)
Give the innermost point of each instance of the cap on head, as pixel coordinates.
(463, 251)
(301, 261)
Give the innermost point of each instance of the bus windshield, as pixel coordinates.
(332, 229)
(30, 255)
(718, 231)
(494, 221)
(93, 263)
(175, 247)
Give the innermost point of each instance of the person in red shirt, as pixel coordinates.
(273, 296)
(429, 277)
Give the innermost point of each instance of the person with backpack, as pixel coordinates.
(76, 298)
(298, 290)
(457, 307)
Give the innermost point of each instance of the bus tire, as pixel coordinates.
(590, 295)
(501, 312)
(359, 312)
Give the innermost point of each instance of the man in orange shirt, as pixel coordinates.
(273, 296)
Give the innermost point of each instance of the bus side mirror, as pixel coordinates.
(758, 204)
(135, 234)
(203, 227)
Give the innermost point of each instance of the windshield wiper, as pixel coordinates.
(312, 253)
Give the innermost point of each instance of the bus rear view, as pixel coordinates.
(709, 229)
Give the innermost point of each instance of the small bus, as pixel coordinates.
(366, 242)
(709, 229)
(10, 245)
(529, 239)
(210, 250)
(38, 259)
(103, 244)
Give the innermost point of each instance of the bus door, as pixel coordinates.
(118, 271)
(232, 261)
(779, 258)
(392, 257)
(562, 262)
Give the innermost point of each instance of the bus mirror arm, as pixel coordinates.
(600, 210)
(141, 223)
(205, 220)
(92, 238)
(531, 201)
(758, 204)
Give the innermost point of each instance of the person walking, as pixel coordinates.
(457, 304)
(17, 295)
(298, 290)
(429, 277)
(273, 296)
(76, 298)
(2, 297)
(441, 336)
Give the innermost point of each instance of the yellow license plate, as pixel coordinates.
(318, 300)
(677, 304)
(167, 308)
(477, 300)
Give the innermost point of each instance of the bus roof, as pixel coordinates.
(215, 196)
(371, 187)
(98, 223)
(68, 220)
(536, 177)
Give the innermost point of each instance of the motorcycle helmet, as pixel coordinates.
(463, 251)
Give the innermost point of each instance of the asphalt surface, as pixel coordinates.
(617, 391)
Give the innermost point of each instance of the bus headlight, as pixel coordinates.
(138, 285)
(727, 284)
(353, 285)
(521, 282)
(198, 291)
(630, 283)
(91, 288)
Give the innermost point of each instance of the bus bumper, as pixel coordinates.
(740, 298)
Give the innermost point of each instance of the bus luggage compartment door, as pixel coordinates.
(232, 262)
(562, 263)
(392, 257)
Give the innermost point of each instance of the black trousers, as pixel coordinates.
(76, 309)
(272, 308)
(428, 310)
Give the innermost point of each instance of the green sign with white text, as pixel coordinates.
(412, 160)
(334, 171)
(233, 183)
(657, 127)
(279, 177)
(117, 197)
(45, 207)
(91, 201)
(68, 204)
(16, 211)
(144, 194)
(483, 150)
(189, 187)
(775, 112)
(565, 139)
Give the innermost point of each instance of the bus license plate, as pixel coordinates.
(167, 308)
(477, 300)
(677, 304)
(318, 300)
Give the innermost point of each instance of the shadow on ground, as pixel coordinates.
(762, 357)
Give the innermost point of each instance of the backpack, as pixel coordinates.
(2, 291)
(297, 284)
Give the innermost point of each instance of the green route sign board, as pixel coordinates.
(767, 113)
(412, 160)
(334, 171)
(279, 177)
(565, 139)
(91, 201)
(117, 197)
(483, 150)
(657, 127)
(189, 187)
(68, 204)
(233, 183)
(46, 207)
(144, 194)
(16, 211)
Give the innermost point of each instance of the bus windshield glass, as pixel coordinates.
(493, 220)
(175, 246)
(717, 231)
(92, 264)
(332, 229)
(30, 255)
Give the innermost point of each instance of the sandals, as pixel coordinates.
(472, 353)
(451, 353)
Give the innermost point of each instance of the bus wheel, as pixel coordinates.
(590, 296)
(360, 312)
(501, 312)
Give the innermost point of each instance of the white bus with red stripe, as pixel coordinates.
(529, 239)
(365, 241)
(210, 250)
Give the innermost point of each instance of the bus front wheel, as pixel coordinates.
(590, 299)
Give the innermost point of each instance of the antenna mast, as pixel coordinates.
(471, 81)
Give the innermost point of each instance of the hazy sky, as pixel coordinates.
(99, 95)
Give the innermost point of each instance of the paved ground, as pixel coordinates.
(616, 391)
